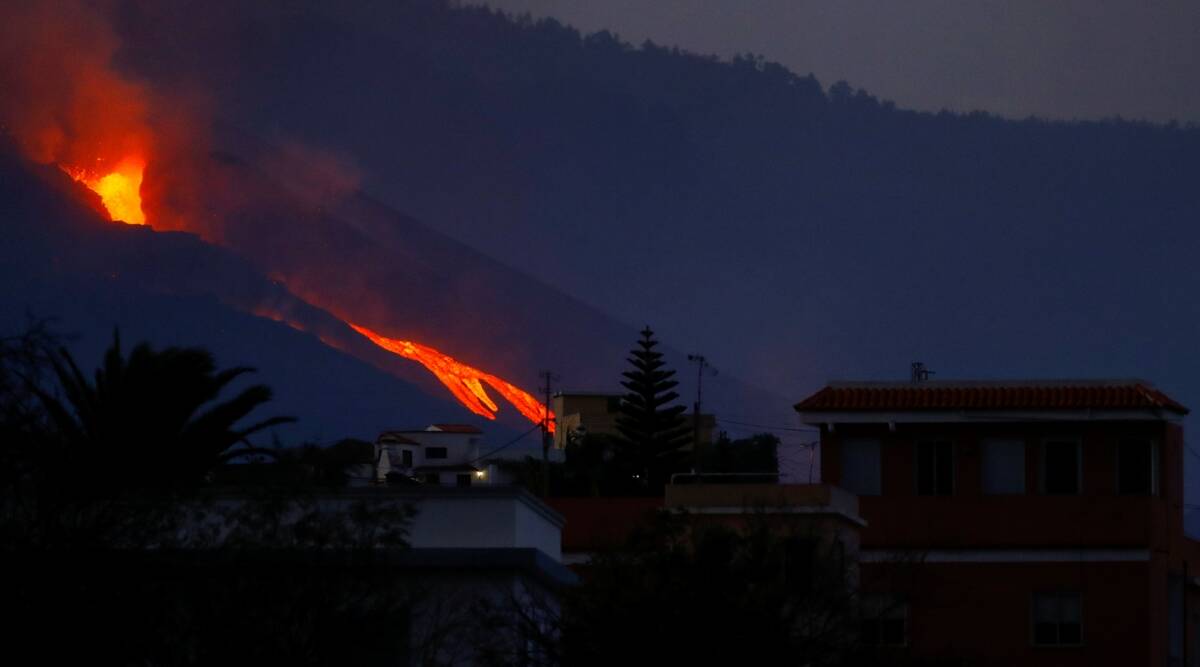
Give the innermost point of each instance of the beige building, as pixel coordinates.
(579, 413)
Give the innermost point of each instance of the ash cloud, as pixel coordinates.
(63, 102)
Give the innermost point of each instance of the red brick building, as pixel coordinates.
(1019, 523)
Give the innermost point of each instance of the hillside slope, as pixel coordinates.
(790, 231)
(63, 261)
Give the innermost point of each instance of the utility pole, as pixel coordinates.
(701, 366)
(548, 379)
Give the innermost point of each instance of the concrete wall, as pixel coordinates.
(472, 519)
(532, 529)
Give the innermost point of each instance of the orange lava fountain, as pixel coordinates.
(465, 382)
(119, 189)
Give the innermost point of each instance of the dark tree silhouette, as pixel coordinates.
(653, 429)
(149, 420)
(756, 454)
(687, 591)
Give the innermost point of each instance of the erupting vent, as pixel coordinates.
(65, 104)
(119, 189)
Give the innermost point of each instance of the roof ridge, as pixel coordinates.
(992, 395)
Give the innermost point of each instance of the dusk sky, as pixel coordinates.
(538, 198)
(1081, 59)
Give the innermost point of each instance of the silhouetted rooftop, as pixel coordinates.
(1126, 394)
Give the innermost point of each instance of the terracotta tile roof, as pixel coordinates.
(394, 438)
(1016, 395)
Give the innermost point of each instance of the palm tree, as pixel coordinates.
(150, 420)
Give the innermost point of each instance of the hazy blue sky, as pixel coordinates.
(1052, 58)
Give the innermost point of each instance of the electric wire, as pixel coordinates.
(775, 427)
(506, 445)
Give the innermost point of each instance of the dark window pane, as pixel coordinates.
(892, 632)
(869, 629)
(935, 469)
(1134, 467)
(1045, 633)
(463, 480)
(1003, 466)
(925, 468)
(860, 467)
(435, 452)
(1057, 619)
(406, 458)
(945, 469)
(1068, 633)
(1061, 467)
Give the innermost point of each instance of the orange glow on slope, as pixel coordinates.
(465, 382)
(120, 189)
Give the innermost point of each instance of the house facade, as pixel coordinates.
(440, 454)
(595, 413)
(1031, 523)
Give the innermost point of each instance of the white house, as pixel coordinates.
(440, 454)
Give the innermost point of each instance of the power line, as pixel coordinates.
(510, 443)
(769, 427)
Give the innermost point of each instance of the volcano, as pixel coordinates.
(262, 297)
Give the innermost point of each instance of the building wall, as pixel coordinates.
(482, 518)
(597, 413)
(449, 522)
(968, 517)
(981, 612)
(530, 528)
(460, 447)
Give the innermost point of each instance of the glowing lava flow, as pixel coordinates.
(120, 189)
(465, 382)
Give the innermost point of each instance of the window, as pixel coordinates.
(1060, 467)
(884, 621)
(1137, 467)
(1057, 619)
(406, 458)
(1003, 466)
(463, 479)
(860, 466)
(435, 452)
(935, 468)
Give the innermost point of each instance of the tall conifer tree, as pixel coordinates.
(653, 429)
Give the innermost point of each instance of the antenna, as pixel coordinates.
(920, 373)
